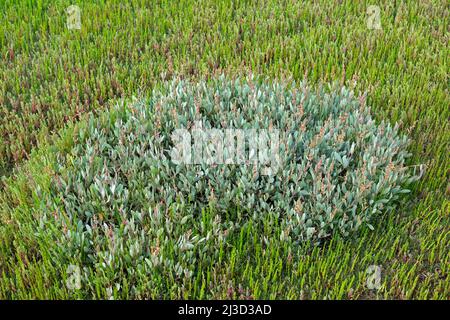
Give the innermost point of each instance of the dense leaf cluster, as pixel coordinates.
(133, 205)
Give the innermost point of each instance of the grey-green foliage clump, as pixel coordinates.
(338, 169)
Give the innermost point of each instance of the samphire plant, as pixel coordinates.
(118, 201)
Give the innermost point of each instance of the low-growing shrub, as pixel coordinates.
(120, 203)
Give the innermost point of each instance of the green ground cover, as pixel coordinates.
(52, 78)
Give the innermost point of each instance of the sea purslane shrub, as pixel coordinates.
(334, 170)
